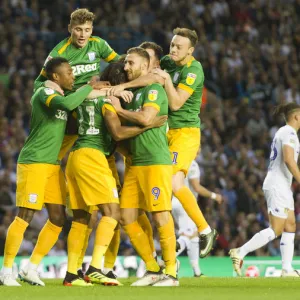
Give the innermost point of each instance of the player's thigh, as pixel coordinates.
(277, 209)
(131, 191)
(75, 200)
(183, 145)
(94, 177)
(156, 184)
(279, 202)
(55, 189)
(31, 182)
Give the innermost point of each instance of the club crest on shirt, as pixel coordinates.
(48, 91)
(152, 95)
(47, 59)
(175, 77)
(92, 56)
(137, 98)
(292, 141)
(190, 79)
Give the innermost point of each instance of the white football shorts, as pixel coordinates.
(279, 202)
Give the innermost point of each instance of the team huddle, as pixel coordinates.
(146, 107)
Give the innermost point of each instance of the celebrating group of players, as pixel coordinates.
(146, 108)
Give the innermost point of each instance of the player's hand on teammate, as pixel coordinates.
(159, 121)
(116, 90)
(99, 85)
(54, 86)
(127, 96)
(115, 102)
(95, 78)
(161, 73)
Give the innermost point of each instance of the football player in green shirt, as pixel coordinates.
(148, 181)
(183, 80)
(38, 169)
(91, 183)
(83, 51)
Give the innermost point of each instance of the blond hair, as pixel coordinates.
(81, 16)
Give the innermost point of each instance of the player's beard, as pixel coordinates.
(134, 74)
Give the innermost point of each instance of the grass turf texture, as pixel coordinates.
(190, 288)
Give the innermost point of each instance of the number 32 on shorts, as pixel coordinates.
(155, 192)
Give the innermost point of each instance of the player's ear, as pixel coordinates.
(145, 66)
(55, 76)
(191, 50)
(69, 28)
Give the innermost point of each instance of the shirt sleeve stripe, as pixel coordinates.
(108, 107)
(74, 114)
(64, 47)
(156, 106)
(49, 99)
(94, 40)
(185, 88)
(43, 73)
(110, 56)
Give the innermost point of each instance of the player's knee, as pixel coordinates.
(81, 216)
(177, 182)
(278, 230)
(161, 218)
(111, 210)
(58, 219)
(26, 214)
(290, 226)
(92, 219)
(115, 214)
(126, 218)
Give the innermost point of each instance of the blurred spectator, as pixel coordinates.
(250, 52)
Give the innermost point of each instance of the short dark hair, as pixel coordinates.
(158, 51)
(188, 33)
(114, 73)
(286, 109)
(53, 64)
(141, 52)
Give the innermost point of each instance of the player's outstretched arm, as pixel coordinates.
(288, 157)
(138, 82)
(202, 191)
(70, 102)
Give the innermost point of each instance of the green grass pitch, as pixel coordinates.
(190, 288)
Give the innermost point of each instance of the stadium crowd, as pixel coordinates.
(250, 54)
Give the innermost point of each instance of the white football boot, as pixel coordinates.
(167, 280)
(237, 261)
(31, 276)
(148, 279)
(8, 280)
(294, 273)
